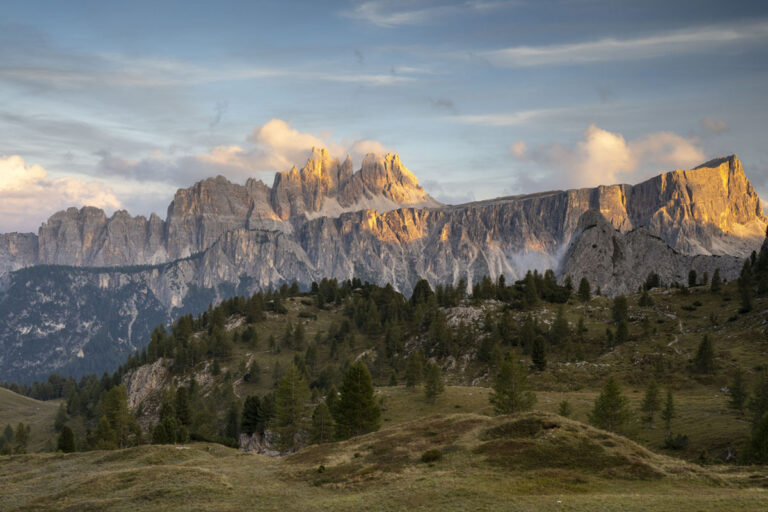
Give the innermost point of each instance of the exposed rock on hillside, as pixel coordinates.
(619, 263)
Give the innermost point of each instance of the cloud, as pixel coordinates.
(602, 157)
(397, 13)
(273, 146)
(680, 42)
(518, 149)
(713, 126)
(28, 193)
(443, 103)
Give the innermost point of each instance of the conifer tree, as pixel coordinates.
(564, 409)
(611, 411)
(433, 384)
(539, 353)
(704, 360)
(651, 401)
(414, 369)
(511, 392)
(357, 409)
(21, 438)
(290, 401)
(253, 421)
(717, 283)
(66, 441)
(585, 291)
(692, 278)
(745, 288)
(668, 413)
(105, 437)
(322, 424)
(738, 391)
(120, 418)
(560, 333)
(183, 410)
(620, 309)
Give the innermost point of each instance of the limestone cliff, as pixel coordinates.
(619, 263)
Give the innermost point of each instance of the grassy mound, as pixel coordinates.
(446, 462)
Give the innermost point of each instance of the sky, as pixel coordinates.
(119, 104)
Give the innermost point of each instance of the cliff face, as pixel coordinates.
(221, 239)
(619, 263)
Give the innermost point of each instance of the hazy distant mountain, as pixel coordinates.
(114, 278)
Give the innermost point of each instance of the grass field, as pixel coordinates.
(534, 461)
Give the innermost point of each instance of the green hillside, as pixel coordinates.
(531, 461)
(39, 415)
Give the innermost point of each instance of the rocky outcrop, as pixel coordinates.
(17, 250)
(619, 263)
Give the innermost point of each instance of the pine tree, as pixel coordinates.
(745, 288)
(564, 409)
(738, 391)
(253, 421)
(66, 441)
(121, 420)
(704, 360)
(651, 401)
(717, 283)
(61, 418)
(21, 438)
(692, 278)
(560, 333)
(433, 384)
(668, 413)
(611, 411)
(105, 437)
(414, 369)
(290, 401)
(622, 332)
(585, 291)
(539, 353)
(183, 410)
(510, 391)
(620, 309)
(322, 424)
(357, 409)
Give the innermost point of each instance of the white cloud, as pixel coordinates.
(602, 157)
(28, 194)
(273, 146)
(396, 13)
(611, 49)
(714, 126)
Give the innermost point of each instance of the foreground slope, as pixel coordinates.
(531, 461)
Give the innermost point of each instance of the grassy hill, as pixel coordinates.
(15, 408)
(530, 461)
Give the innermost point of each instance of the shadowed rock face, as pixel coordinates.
(619, 263)
(377, 224)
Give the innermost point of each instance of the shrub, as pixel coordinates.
(432, 455)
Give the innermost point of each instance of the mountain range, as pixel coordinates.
(87, 288)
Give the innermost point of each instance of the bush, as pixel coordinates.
(431, 455)
(307, 314)
(678, 442)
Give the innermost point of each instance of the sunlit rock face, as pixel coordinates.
(377, 224)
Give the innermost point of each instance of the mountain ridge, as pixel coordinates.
(702, 219)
